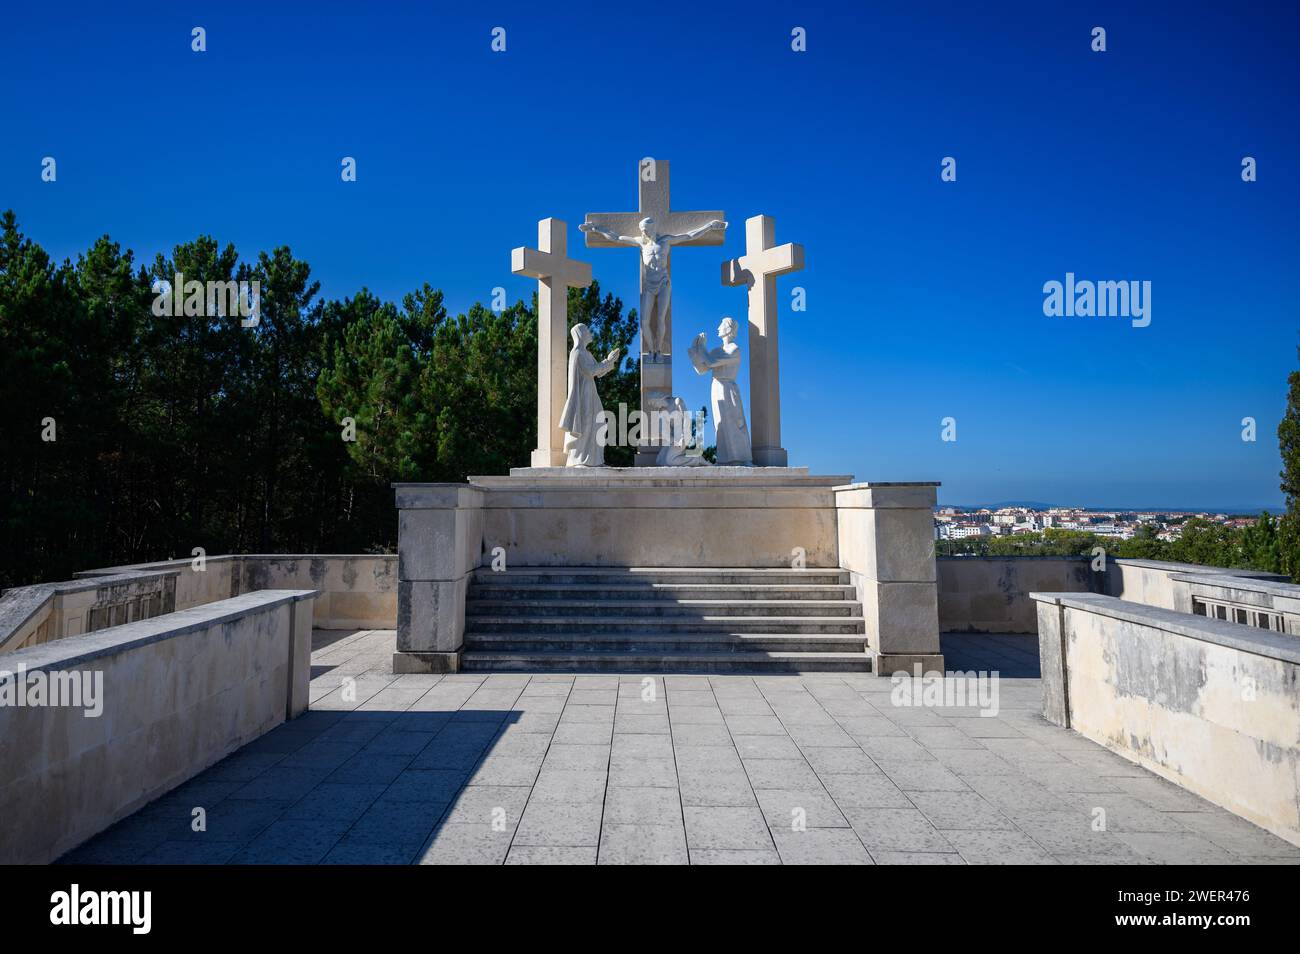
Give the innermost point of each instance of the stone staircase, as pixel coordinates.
(679, 619)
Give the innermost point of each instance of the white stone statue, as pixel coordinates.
(656, 294)
(580, 418)
(728, 408)
(675, 433)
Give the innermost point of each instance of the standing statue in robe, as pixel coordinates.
(656, 296)
(581, 417)
(728, 409)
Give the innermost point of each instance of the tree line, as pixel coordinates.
(128, 436)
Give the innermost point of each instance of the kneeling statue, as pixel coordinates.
(676, 435)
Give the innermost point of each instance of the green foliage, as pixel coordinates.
(1050, 542)
(1288, 440)
(176, 432)
(481, 383)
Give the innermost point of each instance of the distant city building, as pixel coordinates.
(953, 523)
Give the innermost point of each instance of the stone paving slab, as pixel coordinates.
(637, 769)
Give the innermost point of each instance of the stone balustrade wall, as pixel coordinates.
(357, 591)
(130, 712)
(1211, 705)
(32, 615)
(991, 594)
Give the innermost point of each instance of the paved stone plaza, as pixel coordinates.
(714, 769)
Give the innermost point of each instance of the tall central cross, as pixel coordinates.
(654, 202)
(758, 268)
(555, 273)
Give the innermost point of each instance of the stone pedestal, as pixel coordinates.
(656, 383)
(660, 516)
(439, 543)
(665, 517)
(886, 542)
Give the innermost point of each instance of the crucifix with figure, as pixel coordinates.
(654, 229)
(555, 273)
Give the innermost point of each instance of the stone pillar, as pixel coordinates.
(439, 544)
(300, 625)
(886, 540)
(1052, 658)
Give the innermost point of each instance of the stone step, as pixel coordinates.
(638, 662)
(635, 575)
(675, 619)
(665, 643)
(581, 625)
(477, 606)
(509, 589)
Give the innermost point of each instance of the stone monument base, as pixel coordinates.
(659, 516)
(668, 517)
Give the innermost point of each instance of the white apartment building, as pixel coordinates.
(961, 532)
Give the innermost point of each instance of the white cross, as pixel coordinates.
(758, 268)
(555, 273)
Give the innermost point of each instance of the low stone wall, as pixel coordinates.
(32, 615)
(1262, 603)
(356, 591)
(991, 594)
(143, 707)
(1211, 705)
(1153, 582)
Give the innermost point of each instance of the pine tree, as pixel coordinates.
(1288, 439)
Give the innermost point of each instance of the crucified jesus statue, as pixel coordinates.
(657, 290)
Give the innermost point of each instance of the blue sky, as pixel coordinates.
(924, 297)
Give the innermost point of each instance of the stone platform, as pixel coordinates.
(389, 769)
(660, 516)
(693, 519)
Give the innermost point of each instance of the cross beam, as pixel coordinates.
(758, 268)
(555, 273)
